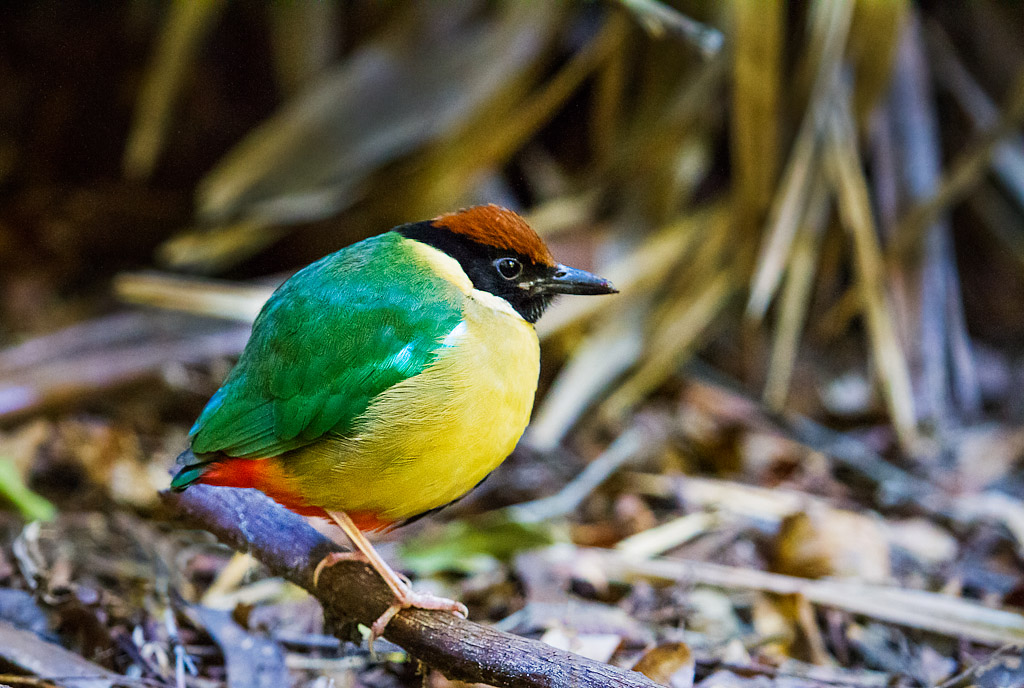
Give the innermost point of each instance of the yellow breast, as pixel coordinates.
(431, 438)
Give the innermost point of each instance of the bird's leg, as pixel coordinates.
(405, 596)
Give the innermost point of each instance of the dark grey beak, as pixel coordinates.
(566, 280)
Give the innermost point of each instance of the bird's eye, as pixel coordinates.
(509, 268)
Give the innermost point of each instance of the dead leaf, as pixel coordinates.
(823, 542)
(671, 664)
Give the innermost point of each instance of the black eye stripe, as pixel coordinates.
(480, 264)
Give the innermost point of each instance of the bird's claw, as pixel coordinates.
(405, 596)
(411, 599)
(335, 558)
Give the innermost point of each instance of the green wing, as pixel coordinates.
(329, 340)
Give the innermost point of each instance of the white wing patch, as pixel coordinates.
(402, 357)
(453, 337)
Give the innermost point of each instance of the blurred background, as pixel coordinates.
(814, 212)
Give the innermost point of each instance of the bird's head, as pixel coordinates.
(501, 254)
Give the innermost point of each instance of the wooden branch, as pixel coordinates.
(460, 649)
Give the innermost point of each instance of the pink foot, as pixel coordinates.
(336, 558)
(405, 596)
(411, 599)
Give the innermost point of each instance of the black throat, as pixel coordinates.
(477, 261)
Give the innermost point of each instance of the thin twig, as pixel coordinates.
(658, 18)
(982, 666)
(639, 440)
(963, 174)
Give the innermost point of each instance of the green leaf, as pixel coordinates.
(31, 506)
(472, 546)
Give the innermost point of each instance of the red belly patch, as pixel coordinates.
(267, 476)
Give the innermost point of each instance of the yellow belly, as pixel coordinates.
(430, 439)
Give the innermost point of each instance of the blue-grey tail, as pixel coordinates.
(192, 469)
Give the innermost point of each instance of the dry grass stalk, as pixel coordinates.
(304, 41)
(638, 441)
(658, 18)
(198, 296)
(953, 75)
(874, 37)
(679, 333)
(855, 213)
(963, 174)
(611, 348)
(829, 30)
(638, 273)
(795, 299)
(927, 611)
(482, 146)
(758, 46)
(184, 31)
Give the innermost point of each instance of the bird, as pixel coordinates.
(386, 380)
